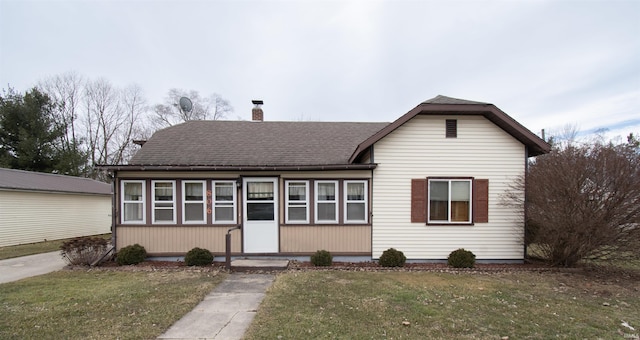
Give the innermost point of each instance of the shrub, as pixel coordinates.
(322, 258)
(392, 258)
(83, 251)
(461, 258)
(198, 257)
(131, 255)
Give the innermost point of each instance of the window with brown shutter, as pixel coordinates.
(451, 128)
(447, 204)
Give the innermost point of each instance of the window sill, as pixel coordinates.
(450, 224)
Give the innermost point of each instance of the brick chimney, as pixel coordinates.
(256, 113)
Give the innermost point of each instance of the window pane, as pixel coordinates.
(297, 213)
(133, 191)
(355, 211)
(224, 191)
(133, 211)
(355, 191)
(460, 198)
(327, 211)
(460, 191)
(193, 191)
(193, 212)
(297, 192)
(439, 201)
(460, 211)
(164, 192)
(260, 190)
(326, 192)
(223, 214)
(164, 215)
(260, 211)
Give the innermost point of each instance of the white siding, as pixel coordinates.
(28, 217)
(419, 149)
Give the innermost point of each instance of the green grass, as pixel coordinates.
(100, 304)
(36, 248)
(374, 305)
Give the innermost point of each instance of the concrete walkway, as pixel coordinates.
(226, 312)
(27, 266)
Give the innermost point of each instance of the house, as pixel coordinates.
(428, 183)
(37, 206)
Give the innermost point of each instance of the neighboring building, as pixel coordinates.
(35, 207)
(427, 184)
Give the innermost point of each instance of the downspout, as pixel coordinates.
(526, 171)
(114, 210)
(371, 161)
(113, 222)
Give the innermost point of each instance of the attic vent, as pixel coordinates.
(451, 128)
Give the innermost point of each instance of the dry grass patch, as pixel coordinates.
(413, 305)
(100, 304)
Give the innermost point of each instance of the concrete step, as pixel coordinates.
(258, 264)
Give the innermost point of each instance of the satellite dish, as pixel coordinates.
(185, 104)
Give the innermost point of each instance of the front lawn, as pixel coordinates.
(98, 304)
(420, 305)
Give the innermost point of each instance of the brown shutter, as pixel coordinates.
(480, 200)
(419, 200)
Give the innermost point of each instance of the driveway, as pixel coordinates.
(27, 266)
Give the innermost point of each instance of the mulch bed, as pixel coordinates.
(590, 272)
(345, 266)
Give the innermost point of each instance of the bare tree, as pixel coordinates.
(66, 91)
(134, 108)
(112, 119)
(101, 119)
(583, 203)
(564, 136)
(213, 107)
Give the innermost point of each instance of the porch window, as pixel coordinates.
(193, 202)
(164, 202)
(449, 201)
(297, 201)
(326, 202)
(355, 202)
(224, 202)
(133, 202)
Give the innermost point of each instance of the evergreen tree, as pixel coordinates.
(29, 137)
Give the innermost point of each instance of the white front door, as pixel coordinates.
(260, 215)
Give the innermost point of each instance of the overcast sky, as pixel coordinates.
(545, 63)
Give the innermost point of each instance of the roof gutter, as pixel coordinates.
(367, 166)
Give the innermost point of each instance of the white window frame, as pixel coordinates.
(346, 200)
(449, 181)
(318, 202)
(296, 203)
(154, 202)
(143, 202)
(185, 202)
(216, 203)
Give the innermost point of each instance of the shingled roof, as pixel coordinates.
(11, 179)
(254, 144)
(248, 145)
